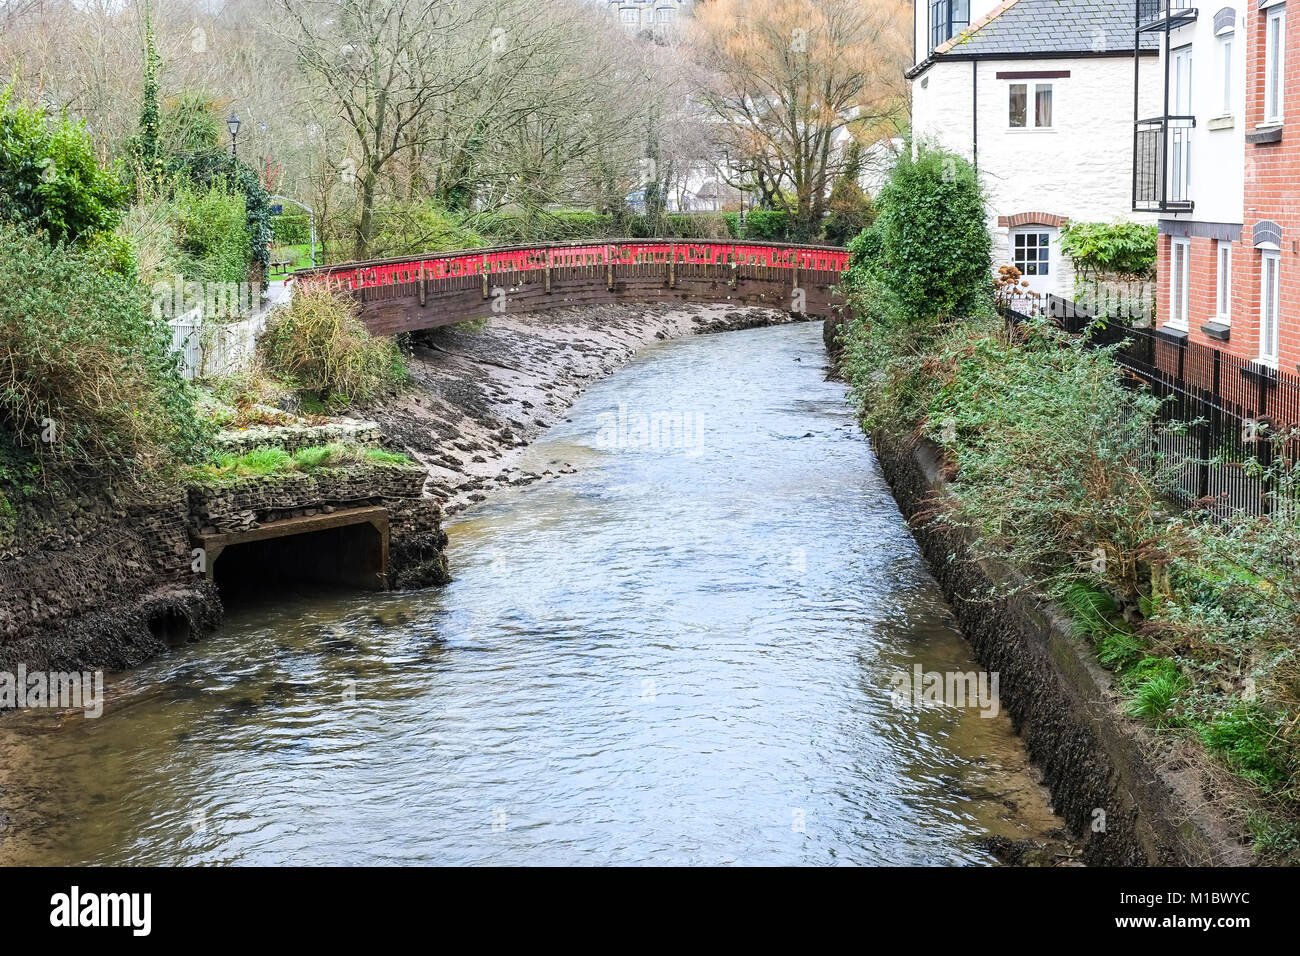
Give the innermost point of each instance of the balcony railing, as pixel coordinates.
(1159, 14)
(1162, 158)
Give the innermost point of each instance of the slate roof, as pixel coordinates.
(1046, 28)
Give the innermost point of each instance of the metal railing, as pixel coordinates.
(1162, 163)
(1155, 14)
(615, 252)
(1223, 420)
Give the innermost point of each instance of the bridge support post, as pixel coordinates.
(423, 291)
(672, 266)
(546, 279)
(794, 284)
(609, 268)
(485, 283)
(734, 278)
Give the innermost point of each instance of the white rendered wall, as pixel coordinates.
(1218, 155)
(1082, 168)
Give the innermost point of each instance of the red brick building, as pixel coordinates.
(1220, 164)
(1267, 284)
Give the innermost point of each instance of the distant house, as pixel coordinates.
(1039, 96)
(648, 15)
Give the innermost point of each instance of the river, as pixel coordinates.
(681, 654)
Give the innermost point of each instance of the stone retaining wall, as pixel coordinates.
(1157, 807)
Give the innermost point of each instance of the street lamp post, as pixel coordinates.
(233, 124)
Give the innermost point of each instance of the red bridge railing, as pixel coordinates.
(447, 265)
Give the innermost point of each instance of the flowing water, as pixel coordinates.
(681, 654)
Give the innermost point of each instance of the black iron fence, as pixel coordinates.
(1225, 423)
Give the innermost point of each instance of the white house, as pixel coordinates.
(651, 15)
(1039, 96)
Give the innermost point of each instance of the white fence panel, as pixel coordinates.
(212, 349)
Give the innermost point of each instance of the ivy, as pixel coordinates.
(147, 149)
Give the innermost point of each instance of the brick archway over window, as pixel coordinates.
(1033, 219)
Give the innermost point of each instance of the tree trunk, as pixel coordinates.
(366, 224)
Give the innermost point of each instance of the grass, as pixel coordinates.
(271, 460)
(1155, 684)
(325, 252)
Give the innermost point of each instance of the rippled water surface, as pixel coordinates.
(680, 654)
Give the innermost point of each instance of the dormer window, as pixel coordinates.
(947, 19)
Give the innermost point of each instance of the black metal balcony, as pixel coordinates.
(1162, 163)
(1155, 15)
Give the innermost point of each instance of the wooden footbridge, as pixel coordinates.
(424, 292)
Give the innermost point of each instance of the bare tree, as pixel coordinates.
(791, 81)
(381, 64)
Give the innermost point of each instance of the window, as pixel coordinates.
(1043, 105)
(1269, 302)
(1030, 252)
(1018, 98)
(1223, 281)
(629, 16)
(663, 14)
(1179, 274)
(947, 19)
(1181, 68)
(1225, 65)
(1274, 51)
(1180, 135)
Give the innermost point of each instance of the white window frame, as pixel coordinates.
(1180, 273)
(1223, 282)
(1274, 63)
(1180, 145)
(1031, 104)
(1225, 61)
(1043, 240)
(1270, 303)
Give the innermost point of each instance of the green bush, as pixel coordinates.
(49, 178)
(1118, 248)
(80, 351)
(410, 228)
(930, 242)
(291, 229)
(509, 227)
(210, 169)
(320, 343)
(212, 232)
(767, 225)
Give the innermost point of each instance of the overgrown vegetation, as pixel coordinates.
(87, 379)
(320, 344)
(928, 248)
(1049, 471)
(49, 177)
